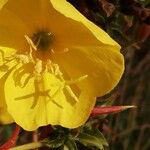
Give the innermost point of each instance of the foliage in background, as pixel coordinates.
(128, 21)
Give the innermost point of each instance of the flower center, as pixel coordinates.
(28, 66)
(42, 40)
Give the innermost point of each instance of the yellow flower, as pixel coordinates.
(54, 63)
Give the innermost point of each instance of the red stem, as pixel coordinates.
(108, 110)
(12, 140)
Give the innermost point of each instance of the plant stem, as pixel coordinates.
(28, 146)
(12, 140)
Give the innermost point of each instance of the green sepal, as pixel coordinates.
(54, 142)
(92, 138)
(70, 145)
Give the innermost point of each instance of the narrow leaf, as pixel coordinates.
(70, 145)
(12, 140)
(54, 142)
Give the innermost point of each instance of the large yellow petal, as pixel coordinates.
(103, 65)
(69, 11)
(71, 28)
(31, 12)
(68, 26)
(5, 117)
(12, 30)
(91, 50)
(56, 108)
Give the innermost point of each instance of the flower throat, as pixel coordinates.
(42, 40)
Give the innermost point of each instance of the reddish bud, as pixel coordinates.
(108, 110)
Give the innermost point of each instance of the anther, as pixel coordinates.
(30, 42)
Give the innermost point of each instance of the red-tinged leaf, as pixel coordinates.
(12, 140)
(144, 32)
(108, 110)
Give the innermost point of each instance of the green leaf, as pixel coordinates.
(7, 131)
(70, 145)
(99, 18)
(54, 142)
(106, 102)
(92, 138)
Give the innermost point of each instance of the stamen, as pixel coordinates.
(71, 93)
(42, 40)
(66, 50)
(38, 67)
(30, 42)
(61, 86)
(49, 67)
(23, 58)
(56, 71)
(76, 80)
(52, 50)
